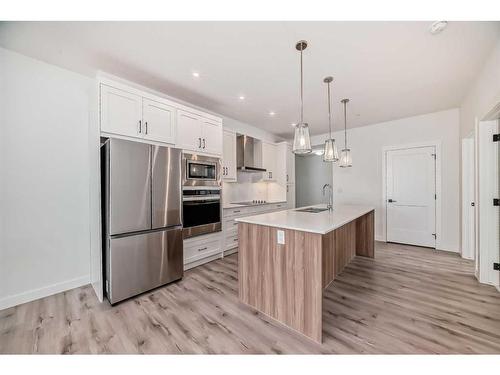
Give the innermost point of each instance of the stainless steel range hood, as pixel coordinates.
(245, 154)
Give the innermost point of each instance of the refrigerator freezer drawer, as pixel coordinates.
(142, 262)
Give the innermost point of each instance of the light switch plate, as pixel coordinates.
(281, 237)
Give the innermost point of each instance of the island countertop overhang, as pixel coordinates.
(320, 223)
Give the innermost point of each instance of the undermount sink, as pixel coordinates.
(312, 210)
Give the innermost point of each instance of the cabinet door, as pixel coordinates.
(269, 161)
(159, 121)
(121, 112)
(229, 156)
(290, 165)
(211, 137)
(290, 196)
(189, 131)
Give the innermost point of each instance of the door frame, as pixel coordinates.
(467, 158)
(437, 145)
(486, 239)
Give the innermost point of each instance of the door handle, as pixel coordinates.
(140, 126)
(472, 204)
(204, 143)
(199, 140)
(391, 200)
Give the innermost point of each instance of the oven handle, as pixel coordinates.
(199, 203)
(202, 198)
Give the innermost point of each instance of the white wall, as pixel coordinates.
(44, 173)
(362, 184)
(483, 95)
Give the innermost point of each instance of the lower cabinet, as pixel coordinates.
(206, 248)
(202, 249)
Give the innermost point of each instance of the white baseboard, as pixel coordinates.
(34, 294)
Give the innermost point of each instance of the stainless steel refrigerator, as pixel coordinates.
(142, 217)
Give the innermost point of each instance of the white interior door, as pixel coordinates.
(411, 199)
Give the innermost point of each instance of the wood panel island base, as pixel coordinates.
(286, 259)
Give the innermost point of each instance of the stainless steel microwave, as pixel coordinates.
(201, 170)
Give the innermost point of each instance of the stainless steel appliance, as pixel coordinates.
(201, 195)
(142, 217)
(245, 154)
(200, 170)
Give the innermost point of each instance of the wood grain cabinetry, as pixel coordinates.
(286, 281)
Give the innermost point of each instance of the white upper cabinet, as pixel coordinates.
(159, 121)
(121, 112)
(128, 112)
(229, 156)
(290, 165)
(211, 132)
(269, 161)
(189, 131)
(285, 164)
(199, 134)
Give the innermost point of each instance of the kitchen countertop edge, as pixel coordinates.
(266, 219)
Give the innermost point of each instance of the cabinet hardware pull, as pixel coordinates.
(199, 142)
(204, 143)
(140, 126)
(235, 239)
(203, 248)
(146, 125)
(236, 211)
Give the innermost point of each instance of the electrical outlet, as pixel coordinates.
(281, 237)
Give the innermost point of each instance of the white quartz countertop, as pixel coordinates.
(321, 222)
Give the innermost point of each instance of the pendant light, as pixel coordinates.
(345, 154)
(330, 153)
(301, 140)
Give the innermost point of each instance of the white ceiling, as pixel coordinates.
(389, 70)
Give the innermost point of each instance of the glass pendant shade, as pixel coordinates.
(330, 154)
(301, 140)
(345, 158)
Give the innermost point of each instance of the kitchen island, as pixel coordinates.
(287, 258)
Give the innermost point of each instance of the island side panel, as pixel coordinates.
(365, 235)
(339, 248)
(282, 281)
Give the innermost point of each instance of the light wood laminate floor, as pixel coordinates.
(406, 300)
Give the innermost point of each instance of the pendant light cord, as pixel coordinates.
(301, 90)
(329, 112)
(345, 125)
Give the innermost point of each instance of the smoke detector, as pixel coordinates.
(438, 27)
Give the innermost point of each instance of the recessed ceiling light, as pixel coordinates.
(272, 113)
(196, 75)
(241, 97)
(437, 27)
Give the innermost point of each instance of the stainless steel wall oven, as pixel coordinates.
(201, 195)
